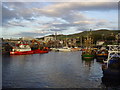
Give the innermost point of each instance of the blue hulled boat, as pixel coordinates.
(111, 67)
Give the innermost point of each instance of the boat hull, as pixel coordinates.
(21, 52)
(112, 70)
(111, 73)
(39, 51)
(87, 56)
(75, 49)
(28, 52)
(101, 57)
(64, 50)
(107, 81)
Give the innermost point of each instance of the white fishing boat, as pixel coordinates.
(54, 49)
(75, 49)
(64, 49)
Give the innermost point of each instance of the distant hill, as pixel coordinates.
(101, 34)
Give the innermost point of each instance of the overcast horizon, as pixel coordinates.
(38, 19)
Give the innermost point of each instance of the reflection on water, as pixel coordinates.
(54, 69)
(88, 63)
(109, 82)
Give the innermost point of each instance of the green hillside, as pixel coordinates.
(102, 34)
(97, 34)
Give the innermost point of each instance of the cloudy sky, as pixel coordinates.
(37, 19)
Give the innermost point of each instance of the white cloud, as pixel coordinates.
(54, 10)
(83, 22)
(55, 17)
(60, 9)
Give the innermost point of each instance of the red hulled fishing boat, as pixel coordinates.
(21, 49)
(24, 49)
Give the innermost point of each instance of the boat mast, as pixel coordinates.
(55, 35)
(88, 41)
(56, 39)
(81, 41)
(66, 41)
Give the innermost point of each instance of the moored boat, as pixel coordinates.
(111, 67)
(39, 49)
(21, 49)
(64, 49)
(88, 53)
(75, 49)
(24, 49)
(101, 55)
(112, 70)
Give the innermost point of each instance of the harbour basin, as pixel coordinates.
(51, 70)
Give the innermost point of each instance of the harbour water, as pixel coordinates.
(51, 70)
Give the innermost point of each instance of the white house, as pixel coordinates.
(27, 38)
(100, 43)
(48, 38)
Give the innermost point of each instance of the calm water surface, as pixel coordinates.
(51, 70)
